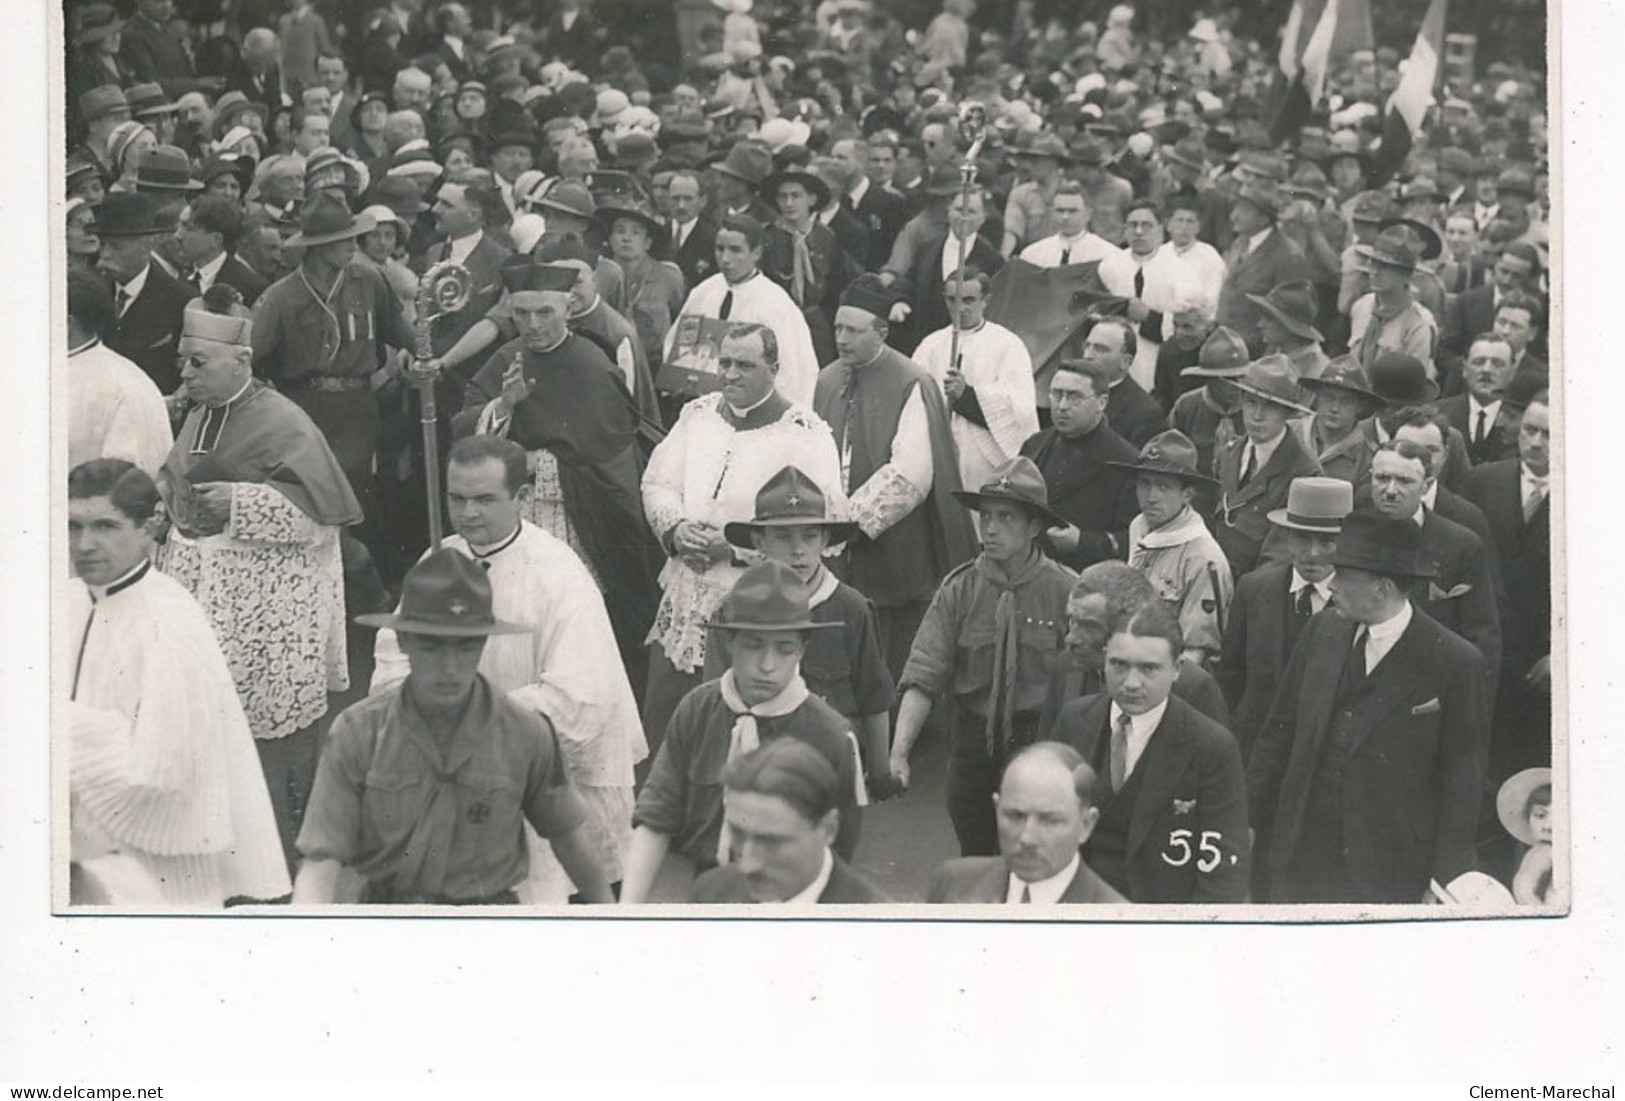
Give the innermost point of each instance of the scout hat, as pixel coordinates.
(1512, 801)
(165, 168)
(324, 218)
(1423, 237)
(789, 499)
(1379, 544)
(1293, 305)
(1374, 207)
(1393, 248)
(1274, 379)
(1400, 379)
(1222, 355)
(127, 214)
(446, 594)
(941, 180)
(748, 161)
(869, 294)
(1018, 481)
(1344, 373)
(1045, 144)
(767, 597)
(635, 211)
(1315, 504)
(815, 186)
(108, 99)
(1170, 452)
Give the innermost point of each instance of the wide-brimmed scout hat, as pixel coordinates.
(324, 218)
(1170, 452)
(767, 597)
(1424, 238)
(817, 188)
(1401, 379)
(1293, 305)
(1344, 373)
(789, 499)
(1019, 482)
(446, 594)
(1045, 144)
(1315, 504)
(1274, 379)
(637, 212)
(1223, 354)
(748, 161)
(1512, 801)
(1393, 248)
(1380, 544)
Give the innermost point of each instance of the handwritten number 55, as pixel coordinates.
(1179, 850)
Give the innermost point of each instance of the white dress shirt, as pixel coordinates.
(132, 289)
(462, 246)
(1141, 727)
(1491, 412)
(1046, 892)
(1259, 453)
(1081, 249)
(681, 230)
(1380, 637)
(1532, 488)
(209, 271)
(855, 196)
(1320, 591)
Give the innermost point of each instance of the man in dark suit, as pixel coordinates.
(923, 303)
(152, 51)
(1514, 495)
(1132, 413)
(1173, 827)
(148, 301)
(692, 240)
(1255, 470)
(1426, 426)
(1472, 312)
(1365, 781)
(1401, 381)
(576, 36)
(206, 237)
(1480, 414)
(780, 816)
(1046, 811)
(1458, 590)
(850, 231)
(1274, 602)
(460, 213)
(1095, 499)
(1259, 258)
(880, 207)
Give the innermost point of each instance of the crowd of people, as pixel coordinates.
(808, 381)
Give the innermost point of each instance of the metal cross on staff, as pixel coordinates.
(972, 130)
(443, 289)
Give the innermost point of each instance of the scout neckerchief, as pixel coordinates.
(1001, 703)
(745, 737)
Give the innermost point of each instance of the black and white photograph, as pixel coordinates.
(1014, 462)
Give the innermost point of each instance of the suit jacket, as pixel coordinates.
(697, 259)
(883, 211)
(484, 266)
(1456, 463)
(727, 884)
(150, 331)
(922, 288)
(1134, 414)
(1463, 564)
(151, 52)
(1241, 524)
(1085, 492)
(1187, 838)
(1277, 260)
(987, 879)
(853, 236)
(1259, 637)
(1411, 785)
(1501, 439)
(1465, 316)
(1525, 552)
(235, 273)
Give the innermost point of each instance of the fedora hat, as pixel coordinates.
(1344, 373)
(165, 168)
(1293, 305)
(1379, 544)
(1393, 248)
(1400, 379)
(1190, 152)
(1308, 182)
(1274, 379)
(147, 100)
(569, 197)
(817, 187)
(1316, 505)
(942, 180)
(628, 207)
(96, 22)
(1170, 452)
(1372, 206)
(127, 214)
(1222, 355)
(1419, 188)
(1018, 481)
(747, 160)
(325, 218)
(1512, 801)
(1045, 144)
(1426, 240)
(789, 499)
(1089, 151)
(399, 194)
(767, 597)
(1260, 194)
(447, 594)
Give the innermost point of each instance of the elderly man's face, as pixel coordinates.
(858, 337)
(1535, 439)
(1042, 823)
(1191, 328)
(747, 377)
(542, 318)
(777, 850)
(578, 160)
(764, 662)
(124, 257)
(212, 373)
(1140, 672)
(1489, 369)
(1071, 214)
(1397, 484)
(411, 93)
(1088, 623)
(1311, 554)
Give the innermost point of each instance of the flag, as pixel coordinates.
(1312, 37)
(1408, 106)
(1047, 307)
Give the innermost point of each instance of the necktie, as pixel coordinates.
(1306, 605)
(1534, 496)
(1354, 672)
(1249, 467)
(1066, 256)
(727, 305)
(1478, 430)
(1026, 893)
(1368, 342)
(1139, 283)
(121, 302)
(1120, 732)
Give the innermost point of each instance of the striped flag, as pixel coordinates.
(1316, 31)
(1408, 106)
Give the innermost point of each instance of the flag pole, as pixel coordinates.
(443, 289)
(973, 129)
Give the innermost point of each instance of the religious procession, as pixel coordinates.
(621, 452)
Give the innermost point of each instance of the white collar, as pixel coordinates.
(857, 193)
(123, 581)
(731, 285)
(1257, 239)
(1141, 727)
(751, 408)
(827, 215)
(134, 286)
(1431, 497)
(1046, 892)
(1264, 452)
(1182, 529)
(460, 247)
(1380, 637)
(1530, 478)
(1071, 242)
(1324, 588)
(1421, 516)
(827, 584)
(1491, 410)
(85, 347)
(814, 889)
(211, 269)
